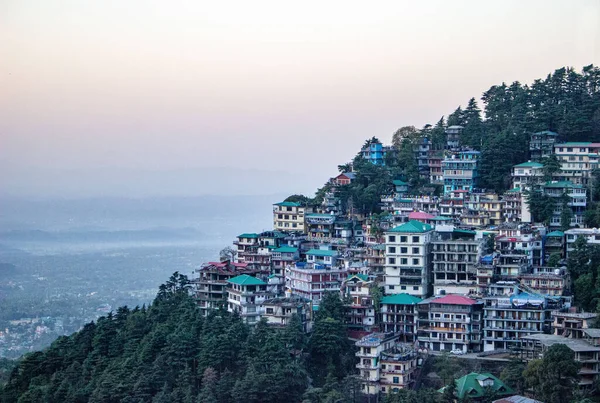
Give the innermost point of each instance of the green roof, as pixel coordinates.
(404, 201)
(288, 204)
(245, 279)
(248, 235)
(321, 252)
(286, 249)
(412, 227)
(562, 184)
(400, 299)
(469, 387)
(398, 182)
(573, 144)
(547, 133)
(440, 218)
(362, 277)
(558, 234)
(529, 165)
(464, 231)
(320, 215)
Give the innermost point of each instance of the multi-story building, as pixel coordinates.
(408, 265)
(507, 319)
(460, 171)
(356, 289)
(374, 152)
(578, 160)
(449, 323)
(246, 243)
(527, 175)
(545, 280)
(576, 201)
(455, 254)
(452, 205)
(290, 216)
(572, 324)
(320, 227)
(324, 257)
(591, 235)
(587, 355)
(278, 311)
(245, 294)
(421, 151)
(345, 178)
(434, 160)
(311, 281)
(542, 144)
(384, 364)
(513, 207)
(554, 243)
(399, 315)
(210, 286)
(453, 137)
(283, 256)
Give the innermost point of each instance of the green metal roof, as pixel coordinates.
(288, 204)
(412, 227)
(248, 235)
(245, 279)
(404, 201)
(400, 299)
(547, 133)
(464, 231)
(469, 387)
(321, 252)
(320, 215)
(529, 165)
(398, 182)
(286, 249)
(440, 218)
(562, 184)
(557, 234)
(362, 277)
(574, 144)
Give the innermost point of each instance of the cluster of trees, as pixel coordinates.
(583, 264)
(168, 352)
(552, 379)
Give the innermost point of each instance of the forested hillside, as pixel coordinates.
(566, 102)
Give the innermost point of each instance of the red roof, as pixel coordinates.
(419, 215)
(454, 300)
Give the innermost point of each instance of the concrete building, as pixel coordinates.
(310, 280)
(461, 171)
(527, 175)
(290, 216)
(278, 311)
(572, 324)
(576, 201)
(356, 288)
(245, 294)
(324, 256)
(455, 254)
(542, 144)
(578, 160)
(453, 137)
(408, 266)
(320, 227)
(591, 235)
(399, 315)
(450, 322)
(374, 152)
(283, 256)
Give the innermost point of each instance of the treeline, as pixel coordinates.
(566, 102)
(168, 352)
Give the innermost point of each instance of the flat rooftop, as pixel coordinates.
(551, 339)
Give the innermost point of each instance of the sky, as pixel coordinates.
(164, 98)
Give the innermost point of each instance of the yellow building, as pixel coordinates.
(290, 216)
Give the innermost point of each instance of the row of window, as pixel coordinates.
(403, 287)
(403, 239)
(403, 260)
(404, 250)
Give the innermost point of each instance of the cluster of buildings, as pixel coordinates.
(463, 272)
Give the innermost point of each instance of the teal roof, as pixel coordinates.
(288, 204)
(469, 387)
(398, 182)
(400, 299)
(404, 201)
(574, 144)
(362, 277)
(562, 184)
(316, 215)
(547, 133)
(464, 231)
(440, 218)
(321, 252)
(248, 235)
(412, 227)
(245, 279)
(529, 165)
(557, 234)
(286, 249)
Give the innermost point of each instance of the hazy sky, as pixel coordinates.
(150, 97)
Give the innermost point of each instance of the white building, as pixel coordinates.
(408, 261)
(245, 294)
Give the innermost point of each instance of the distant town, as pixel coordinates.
(444, 266)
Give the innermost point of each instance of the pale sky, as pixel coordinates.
(143, 97)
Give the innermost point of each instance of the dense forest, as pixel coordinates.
(566, 102)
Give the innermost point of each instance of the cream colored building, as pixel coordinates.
(290, 216)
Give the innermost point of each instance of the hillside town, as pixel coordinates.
(458, 269)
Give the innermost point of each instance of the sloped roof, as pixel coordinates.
(362, 277)
(398, 182)
(248, 235)
(562, 184)
(288, 204)
(469, 387)
(286, 249)
(454, 300)
(245, 279)
(400, 299)
(557, 234)
(321, 252)
(419, 215)
(529, 164)
(412, 227)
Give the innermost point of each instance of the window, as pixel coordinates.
(415, 251)
(396, 379)
(403, 287)
(403, 239)
(391, 249)
(392, 238)
(415, 239)
(403, 260)
(391, 260)
(391, 287)
(415, 261)
(415, 288)
(288, 209)
(269, 311)
(403, 249)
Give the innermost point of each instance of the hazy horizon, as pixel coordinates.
(151, 98)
